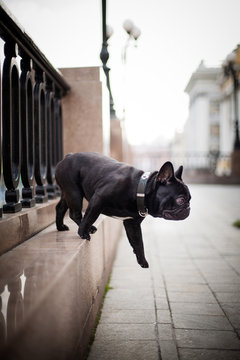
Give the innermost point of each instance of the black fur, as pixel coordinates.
(110, 188)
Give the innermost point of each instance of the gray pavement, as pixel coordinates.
(187, 304)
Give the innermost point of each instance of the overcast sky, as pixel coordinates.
(176, 36)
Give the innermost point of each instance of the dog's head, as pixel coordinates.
(171, 196)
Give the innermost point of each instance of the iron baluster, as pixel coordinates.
(11, 127)
(40, 137)
(27, 120)
(58, 123)
(51, 187)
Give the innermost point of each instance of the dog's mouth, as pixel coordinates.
(176, 214)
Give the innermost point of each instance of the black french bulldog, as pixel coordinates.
(118, 190)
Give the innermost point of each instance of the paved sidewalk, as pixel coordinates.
(187, 304)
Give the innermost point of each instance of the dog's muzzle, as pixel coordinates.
(179, 214)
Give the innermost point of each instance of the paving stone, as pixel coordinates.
(235, 320)
(160, 292)
(192, 297)
(234, 261)
(213, 266)
(179, 270)
(223, 278)
(196, 308)
(165, 332)
(136, 303)
(227, 251)
(134, 272)
(207, 322)
(168, 350)
(231, 308)
(164, 317)
(161, 303)
(128, 278)
(128, 317)
(109, 332)
(203, 253)
(189, 287)
(176, 278)
(207, 339)
(131, 283)
(222, 287)
(124, 350)
(232, 311)
(202, 354)
(130, 294)
(232, 297)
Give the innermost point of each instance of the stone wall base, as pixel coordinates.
(51, 289)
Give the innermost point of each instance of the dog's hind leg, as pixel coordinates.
(76, 215)
(61, 209)
(134, 234)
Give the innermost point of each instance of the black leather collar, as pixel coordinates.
(142, 210)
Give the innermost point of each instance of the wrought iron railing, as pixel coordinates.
(31, 120)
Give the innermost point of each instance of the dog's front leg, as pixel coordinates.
(92, 212)
(134, 234)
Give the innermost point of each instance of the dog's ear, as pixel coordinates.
(166, 173)
(179, 172)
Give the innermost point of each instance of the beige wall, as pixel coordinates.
(86, 119)
(116, 140)
(56, 281)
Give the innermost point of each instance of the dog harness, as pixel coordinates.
(142, 210)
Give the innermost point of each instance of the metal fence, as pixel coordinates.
(31, 119)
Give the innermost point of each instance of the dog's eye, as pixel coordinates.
(180, 201)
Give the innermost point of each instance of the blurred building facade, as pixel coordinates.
(207, 142)
(202, 129)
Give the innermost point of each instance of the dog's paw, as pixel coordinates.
(86, 237)
(62, 228)
(141, 260)
(144, 264)
(92, 229)
(83, 235)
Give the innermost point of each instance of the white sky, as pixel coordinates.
(176, 36)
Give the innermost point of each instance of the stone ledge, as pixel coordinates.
(51, 288)
(18, 227)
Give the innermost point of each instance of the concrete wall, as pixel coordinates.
(117, 141)
(51, 289)
(86, 118)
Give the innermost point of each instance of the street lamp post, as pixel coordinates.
(104, 55)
